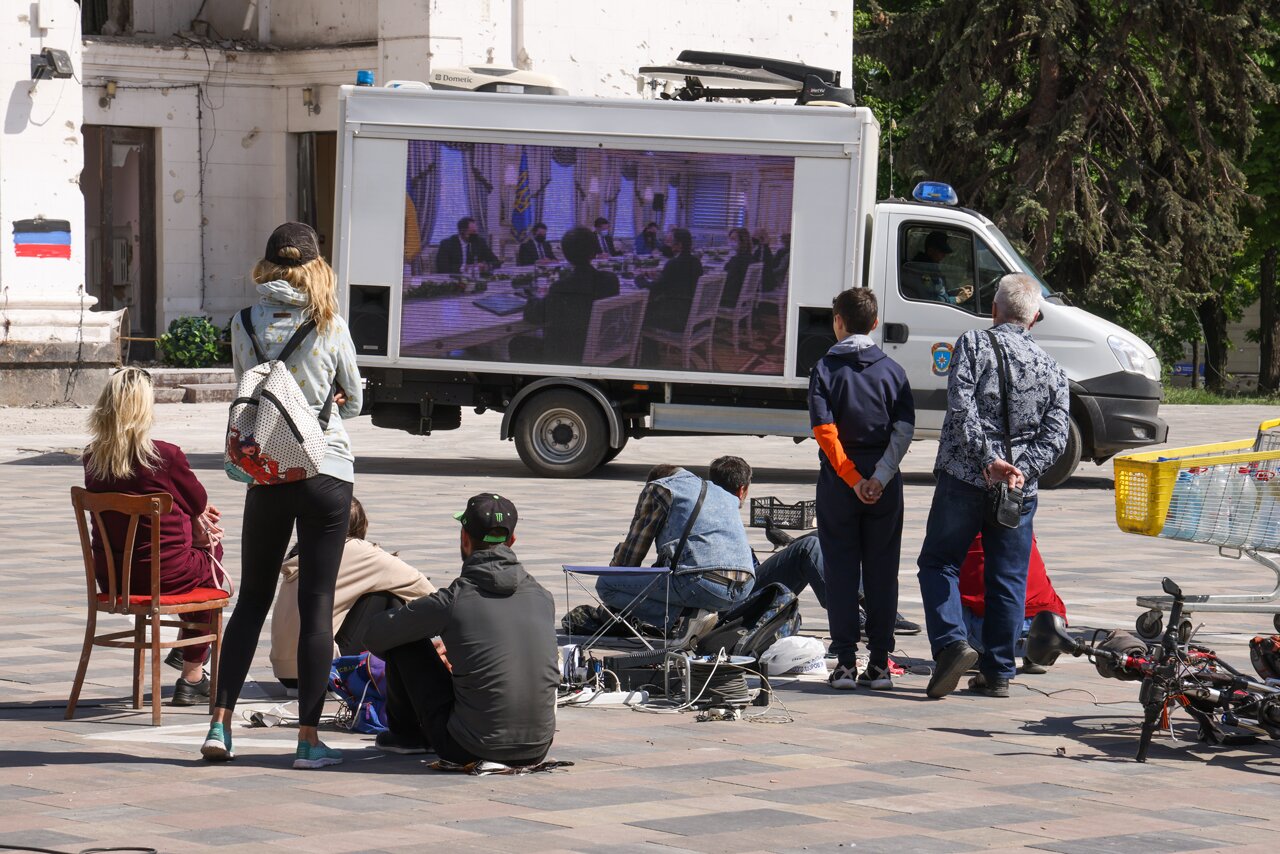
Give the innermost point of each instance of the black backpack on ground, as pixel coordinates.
(752, 626)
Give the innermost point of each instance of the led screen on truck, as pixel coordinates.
(588, 256)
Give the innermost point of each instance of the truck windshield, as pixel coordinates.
(1023, 264)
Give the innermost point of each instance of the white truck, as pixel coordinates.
(705, 331)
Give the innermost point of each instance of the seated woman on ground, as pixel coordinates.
(370, 581)
(122, 457)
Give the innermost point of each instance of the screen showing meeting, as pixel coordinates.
(587, 256)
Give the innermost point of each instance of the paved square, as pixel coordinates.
(1049, 769)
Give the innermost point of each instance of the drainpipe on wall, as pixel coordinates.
(519, 58)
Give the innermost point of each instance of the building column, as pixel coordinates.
(53, 347)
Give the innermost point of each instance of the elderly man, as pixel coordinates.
(972, 460)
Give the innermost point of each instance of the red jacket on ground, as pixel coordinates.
(1040, 593)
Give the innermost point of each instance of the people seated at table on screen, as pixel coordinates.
(648, 242)
(465, 249)
(735, 269)
(671, 294)
(563, 314)
(536, 249)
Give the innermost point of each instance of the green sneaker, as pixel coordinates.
(315, 757)
(217, 744)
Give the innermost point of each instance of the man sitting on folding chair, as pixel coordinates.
(697, 529)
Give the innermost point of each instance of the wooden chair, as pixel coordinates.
(145, 609)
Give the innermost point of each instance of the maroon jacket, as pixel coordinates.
(182, 566)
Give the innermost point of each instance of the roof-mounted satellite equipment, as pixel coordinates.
(708, 75)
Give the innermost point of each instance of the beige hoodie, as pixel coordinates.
(366, 568)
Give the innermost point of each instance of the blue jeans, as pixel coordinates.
(957, 515)
(795, 567)
(690, 590)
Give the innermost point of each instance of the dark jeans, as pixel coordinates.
(796, 566)
(420, 701)
(320, 507)
(957, 515)
(861, 545)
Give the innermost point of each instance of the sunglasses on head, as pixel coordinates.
(142, 371)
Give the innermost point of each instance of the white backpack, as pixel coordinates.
(272, 434)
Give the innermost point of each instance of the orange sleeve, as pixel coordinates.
(829, 441)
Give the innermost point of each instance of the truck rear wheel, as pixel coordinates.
(612, 453)
(1058, 473)
(561, 433)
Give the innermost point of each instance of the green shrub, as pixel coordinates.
(191, 342)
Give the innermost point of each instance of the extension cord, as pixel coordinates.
(594, 697)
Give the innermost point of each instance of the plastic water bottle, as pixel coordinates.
(1242, 507)
(1215, 518)
(1265, 533)
(1185, 505)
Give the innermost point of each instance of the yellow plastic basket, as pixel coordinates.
(1144, 482)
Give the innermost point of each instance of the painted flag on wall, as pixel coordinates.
(42, 238)
(521, 208)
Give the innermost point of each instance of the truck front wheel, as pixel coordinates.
(1058, 473)
(561, 433)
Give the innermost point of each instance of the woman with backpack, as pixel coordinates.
(296, 322)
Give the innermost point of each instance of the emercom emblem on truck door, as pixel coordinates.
(941, 353)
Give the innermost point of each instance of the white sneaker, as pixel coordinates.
(876, 678)
(843, 678)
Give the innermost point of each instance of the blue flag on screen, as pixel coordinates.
(521, 211)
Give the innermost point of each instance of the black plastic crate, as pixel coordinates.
(798, 516)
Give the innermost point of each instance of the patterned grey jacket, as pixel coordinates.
(972, 431)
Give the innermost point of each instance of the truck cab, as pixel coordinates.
(935, 269)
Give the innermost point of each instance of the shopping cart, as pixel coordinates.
(1225, 494)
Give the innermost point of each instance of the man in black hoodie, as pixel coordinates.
(495, 698)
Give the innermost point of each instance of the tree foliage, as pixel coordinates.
(1105, 137)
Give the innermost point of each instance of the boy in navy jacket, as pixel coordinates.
(863, 417)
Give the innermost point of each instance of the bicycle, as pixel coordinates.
(1174, 673)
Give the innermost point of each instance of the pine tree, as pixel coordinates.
(1104, 136)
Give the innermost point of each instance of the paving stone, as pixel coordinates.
(965, 819)
(726, 821)
(834, 792)
(1136, 843)
(886, 845)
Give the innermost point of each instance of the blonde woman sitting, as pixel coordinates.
(122, 457)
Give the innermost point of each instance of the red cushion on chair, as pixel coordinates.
(200, 594)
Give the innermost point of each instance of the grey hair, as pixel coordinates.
(1018, 298)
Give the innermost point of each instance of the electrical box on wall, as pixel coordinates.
(46, 14)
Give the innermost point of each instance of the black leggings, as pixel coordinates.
(321, 507)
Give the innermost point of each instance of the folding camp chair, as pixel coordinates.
(658, 575)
